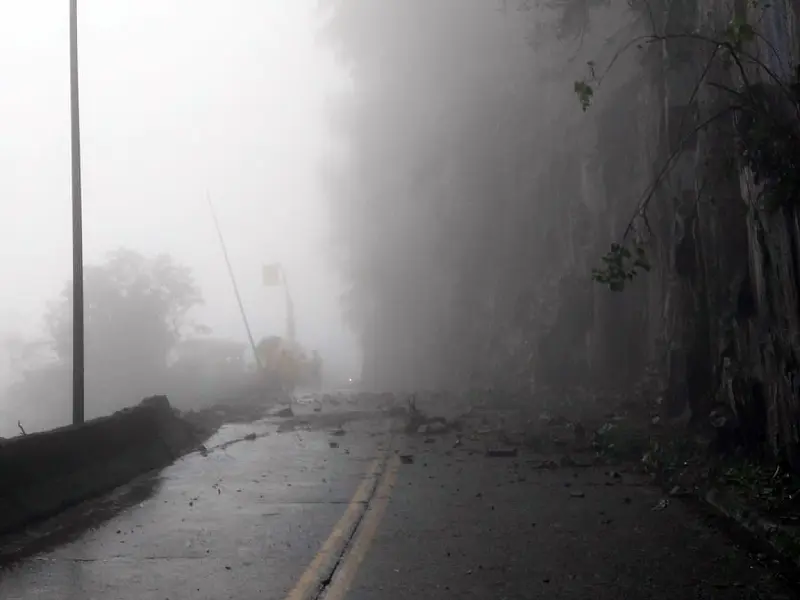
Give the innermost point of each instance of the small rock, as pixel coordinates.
(501, 452)
(546, 464)
(661, 505)
(577, 494)
(437, 427)
(333, 444)
(406, 459)
(338, 432)
(678, 491)
(250, 437)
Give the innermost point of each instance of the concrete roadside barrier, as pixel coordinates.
(41, 474)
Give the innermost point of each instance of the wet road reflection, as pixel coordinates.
(242, 521)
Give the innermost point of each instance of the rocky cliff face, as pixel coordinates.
(719, 314)
(521, 193)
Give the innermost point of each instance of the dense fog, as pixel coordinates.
(465, 194)
(460, 203)
(180, 101)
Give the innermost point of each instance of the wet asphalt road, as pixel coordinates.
(247, 520)
(242, 522)
(463, 525)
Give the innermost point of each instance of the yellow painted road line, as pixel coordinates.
(346, 573)
(310, 583)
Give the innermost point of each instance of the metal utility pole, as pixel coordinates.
(233, 282)
(290, 327)
(77, 225)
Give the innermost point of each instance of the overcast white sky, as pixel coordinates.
(178, 97)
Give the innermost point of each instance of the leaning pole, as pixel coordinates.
(77, 224)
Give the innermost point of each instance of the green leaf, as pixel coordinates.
(585, 92)
(739, 32)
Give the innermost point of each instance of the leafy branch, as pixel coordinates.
(768, 143)
(620, 266)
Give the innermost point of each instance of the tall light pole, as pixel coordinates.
(77, 224)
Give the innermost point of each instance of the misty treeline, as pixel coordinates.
(562, 194)
(138, 326)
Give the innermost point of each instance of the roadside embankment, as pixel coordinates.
(44, 473)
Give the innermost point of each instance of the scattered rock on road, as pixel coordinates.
(433, 427)
(661, 505)
(501, 452)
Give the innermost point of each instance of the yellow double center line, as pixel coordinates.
(334, 568)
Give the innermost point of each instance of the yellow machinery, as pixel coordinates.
(287, 365)
(283, 362)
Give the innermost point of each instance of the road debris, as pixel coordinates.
(661, 505)
(501, 452)
(407, 459)
(545, 464)
(435, 426)
(679, 492)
